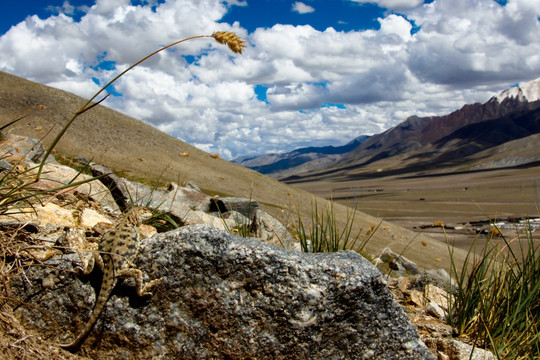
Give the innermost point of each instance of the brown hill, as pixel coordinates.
(131, 146)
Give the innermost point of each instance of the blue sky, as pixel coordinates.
(342, 15)
(315, 72)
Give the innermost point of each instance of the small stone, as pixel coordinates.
(81, 161)
(442, 356)
(438, 295)
(398, 263)
(433, 309)
(461, 351)
(147, 231)
(403, 284)
(90, 218)
(47, 282)
(416, 298)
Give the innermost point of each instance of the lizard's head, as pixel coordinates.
(138, 214)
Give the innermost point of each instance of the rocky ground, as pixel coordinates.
(35, 243)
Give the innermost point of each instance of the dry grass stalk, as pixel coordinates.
(233, 41)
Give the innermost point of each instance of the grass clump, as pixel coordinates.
(496, 300)
(325, 235)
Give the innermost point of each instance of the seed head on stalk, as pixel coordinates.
(233, 41)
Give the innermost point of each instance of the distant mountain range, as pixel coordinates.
(500, 132)
(298, 160)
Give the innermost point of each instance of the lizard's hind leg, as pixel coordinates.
(137, 275)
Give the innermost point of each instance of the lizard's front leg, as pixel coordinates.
(77, 241)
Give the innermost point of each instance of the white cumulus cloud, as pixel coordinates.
(302, 8)
(319, 87)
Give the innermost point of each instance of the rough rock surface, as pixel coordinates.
(426, 305)
(56, 175)
(223, 296)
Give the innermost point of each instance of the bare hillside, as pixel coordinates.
(131, 146)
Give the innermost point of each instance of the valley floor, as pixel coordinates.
(465, 202)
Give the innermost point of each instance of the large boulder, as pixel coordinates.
(226, 297)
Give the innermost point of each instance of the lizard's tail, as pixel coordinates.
(106, 288)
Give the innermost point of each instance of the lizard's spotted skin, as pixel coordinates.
(117, 248)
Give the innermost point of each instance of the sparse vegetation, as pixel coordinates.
(242, 225)
(496, 297)
(19, 193)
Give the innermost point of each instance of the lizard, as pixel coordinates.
(117, 247)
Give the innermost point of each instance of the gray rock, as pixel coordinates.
(272, 231)
(432, 308)
(237, 217)
(131, 192)
(5, 165)
(81, 161)
(224, 296)
(30, 149)
(16, 145)
(462, 351)
(193, 186)
(246, 207)
(117, 185)
(56, 175)
(438, 277)
(196, 200)
(192, 197)
(398, 263)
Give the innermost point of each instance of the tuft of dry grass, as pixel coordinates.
(15, 341)
(497, 297)
(326, 235)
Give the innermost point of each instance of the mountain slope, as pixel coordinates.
(445, 141)
(143, 152)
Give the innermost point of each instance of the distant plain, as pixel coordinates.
(464, 201)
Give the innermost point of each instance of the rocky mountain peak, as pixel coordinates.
(529, 91)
